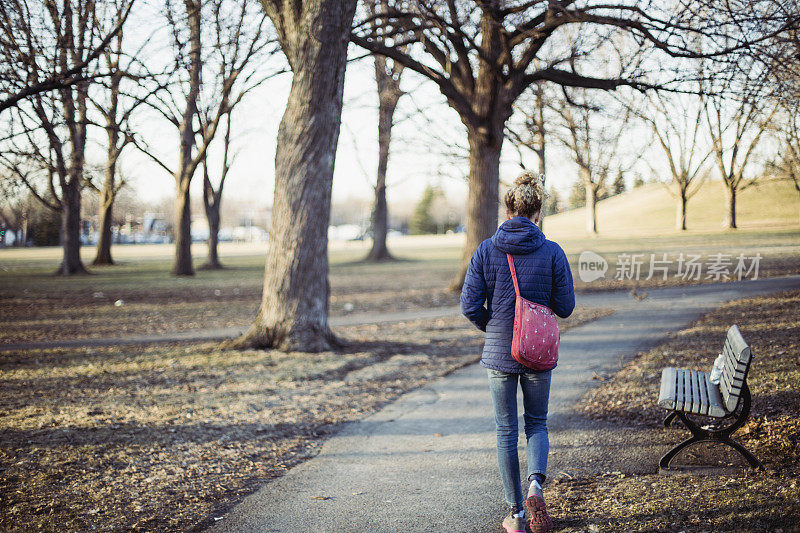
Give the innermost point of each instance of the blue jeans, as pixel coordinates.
(535, 396)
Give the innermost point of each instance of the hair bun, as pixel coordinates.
(525, 198)
(528, 178)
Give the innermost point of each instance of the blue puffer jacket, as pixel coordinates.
(544, 277)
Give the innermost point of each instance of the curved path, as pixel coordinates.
(427, 461)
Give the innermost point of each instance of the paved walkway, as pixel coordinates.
(427, 461)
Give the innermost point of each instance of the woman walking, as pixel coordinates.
(488, 300)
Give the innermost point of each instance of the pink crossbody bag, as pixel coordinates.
(536, 334)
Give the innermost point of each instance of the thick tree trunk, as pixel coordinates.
(71, 183)
(483, 195)
(71, 230)
(680, 219)
(294, 306)
(183, 231)
(491, 101)
(380, 211)
(730, 202)
(72, 180)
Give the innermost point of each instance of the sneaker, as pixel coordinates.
(514, 524)
(537, 512)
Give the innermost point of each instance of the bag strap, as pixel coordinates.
(513, 273)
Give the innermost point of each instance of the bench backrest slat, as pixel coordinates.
(737, 363)
(732, 370)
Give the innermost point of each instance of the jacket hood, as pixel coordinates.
(518, 235)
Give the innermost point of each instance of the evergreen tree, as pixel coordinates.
(422, 221)
(577, 195)
(552, 204)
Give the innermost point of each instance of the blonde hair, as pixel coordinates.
(525, 198)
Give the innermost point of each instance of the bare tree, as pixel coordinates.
(736, 125)
(388, 74)
(777, 55)
(294, 307)
(483, 55)
(532, 133)
(47, 144)
(593, 137)
(179, 107)
(113, 151)
(222, 90)
(212, 199)
(744, 97)
(241, 44)
(676, 122)
(15, 209)
(20, 37)
(787, 162)
(116, 105)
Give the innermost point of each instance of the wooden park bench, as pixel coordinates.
(690, 392)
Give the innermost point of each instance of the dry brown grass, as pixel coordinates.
(165, 438)
(144, 300)
(36, 306)
(746, 501)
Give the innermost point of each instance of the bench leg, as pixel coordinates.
(754, 463)
(670, 455)
(721, 435)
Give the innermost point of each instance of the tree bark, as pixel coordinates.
(183, 231)
(186, 164)
(72, 180)
(483, 194)
(211, 204)
(294, 307)
(103, 255)
(380, 221)
(591, 207)
(388, 96)
(212, 201)
(109, 191)
(730, 202)
(212, 262)
(680, 221)
(71, 230)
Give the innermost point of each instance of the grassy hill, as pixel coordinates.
(651, 210)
